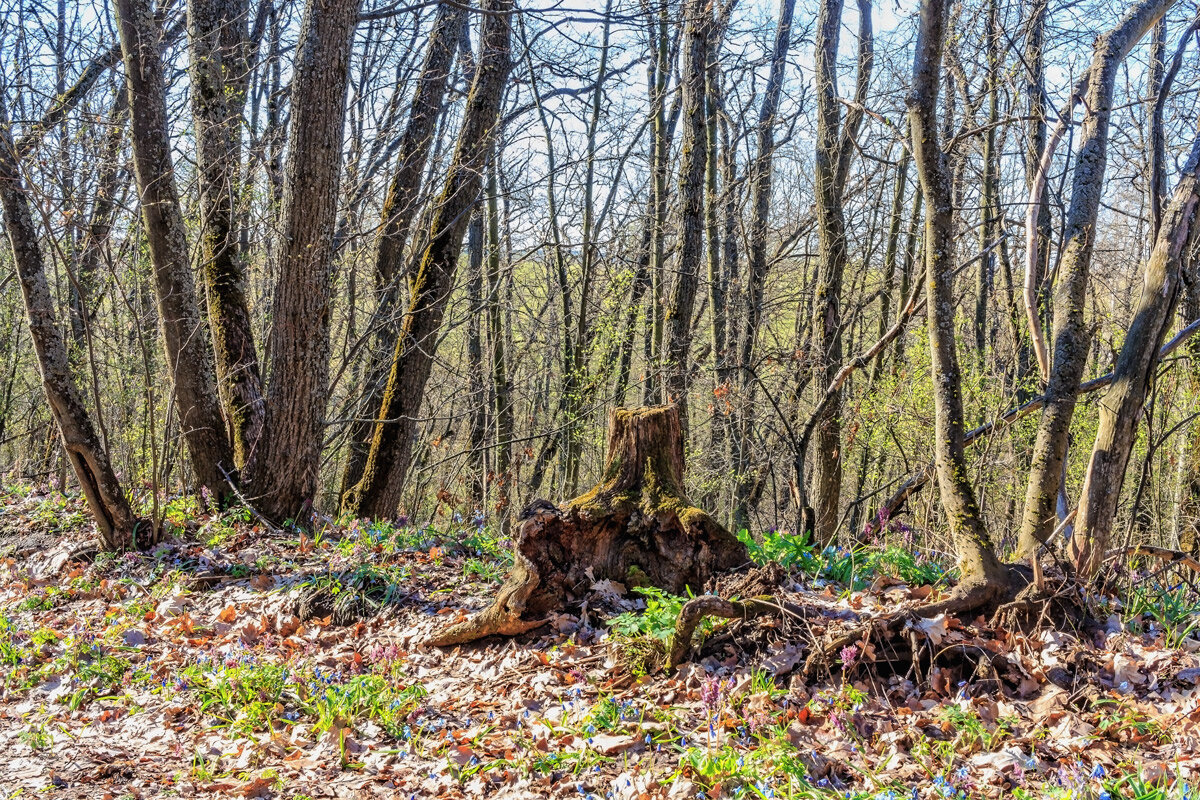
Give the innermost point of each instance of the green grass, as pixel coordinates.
(248, 697)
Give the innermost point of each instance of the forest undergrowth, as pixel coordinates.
(187, 670)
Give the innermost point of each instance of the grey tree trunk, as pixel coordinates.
(977, 560)
(825, 495)
(115, 522)
(189, 356)
(283, 469)
(1123, 403)
(378, 492)
(1070, 335)
(504, 476)
(698, 24)
(756, 268)
(399, 211)
(218, 45)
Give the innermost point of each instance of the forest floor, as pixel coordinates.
(185, 671)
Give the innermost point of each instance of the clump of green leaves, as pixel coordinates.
(247, 697)
(658, 619)
(972, 733)
(854, 567)
(1172, 610)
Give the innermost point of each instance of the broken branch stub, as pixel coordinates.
(636, 526)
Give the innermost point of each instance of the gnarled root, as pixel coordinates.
(697, 609)
(694, 611)
(503, 616)
(965, 598)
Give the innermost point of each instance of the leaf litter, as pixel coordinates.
(186, 671)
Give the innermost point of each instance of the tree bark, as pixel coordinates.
(698, 25)
(115, 522)
(285, 465)
(477, 394)
(831, 248)
(977, 559)
(501, 389)
(189, 357)
(378, 492)
(218, 45)
(396, 222)
(1123, 404)
(1070, 335)
(760, 175)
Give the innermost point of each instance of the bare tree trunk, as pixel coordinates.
(717, 279)
(756, 273)
(501, 390)
(1188, 523)
(990, 206)
(831, 246)
(115, 521)
(101, 219)
(399, 210)
(579, 395)
(1070, 333)
(217, 33)
(977, 560)
(189, 357)
(476, 392)
(284, 467)
(1122, 406)
(378, 493)
(663, 134)
(698, 25)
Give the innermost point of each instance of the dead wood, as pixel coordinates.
(1164, 554)
(636, 526)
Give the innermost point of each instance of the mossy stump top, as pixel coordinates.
(644, 466)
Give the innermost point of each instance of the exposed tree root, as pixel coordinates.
(964, 599)
(697, 609)
(504, 616)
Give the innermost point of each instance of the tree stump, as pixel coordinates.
(636, 526)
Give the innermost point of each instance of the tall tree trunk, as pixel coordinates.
(652, 387)
(756, 273)
(977, 560)
(717, 277)
(115, 521)
(378, 492)
(284, 468)
(1123, 404)
(399, 210)
(1070, 332)
(580, 396)
(100, 222)
(219, 64)
(501, 390)
(1188, 523)
(476, 393)
(831, 247)
(989, 211)
(189, 357)
(698, 24)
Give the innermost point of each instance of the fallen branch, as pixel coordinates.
(697, 609)
(1162, 553)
